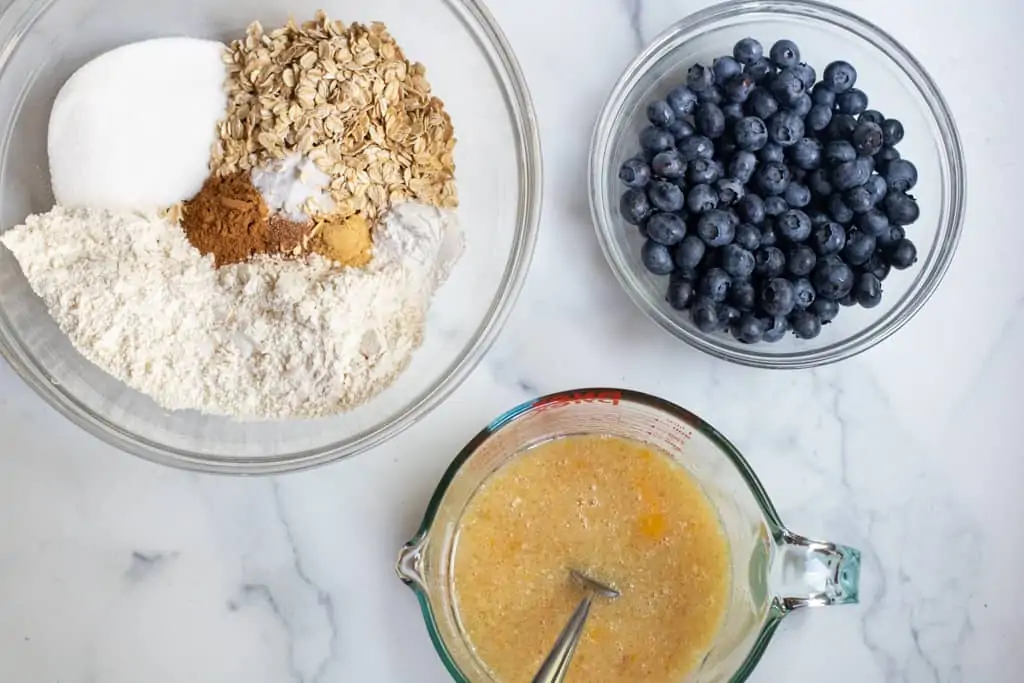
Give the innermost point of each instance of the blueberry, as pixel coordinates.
(821, 94)
(838, 209)
(751, 133)
(885, 157)
(859, 199)
(709, 120)
(713, 95)
(732, 112)
(849, 300)
(704, 314)
(807, 74)
(777, 296)
(749, 329)
(725, 68)
(867, 138)
(656, 258)
(877, 266)
(702, 171)
(775, 206)
(785, 53)
(688, 273)
(634, 206)
(747, 236)
(665, 196)
(699, 78)
(871, 116)
(825, 309)
(803, 292)
(852, 102)
(873, 223)
(794, 225)
(769, 262)
(689, 252)
(762, 103)
(819, 183)
(828, 238)
(839, 76)
(775, 329)
(802, 105)
(818, 118)
(859, 248)
(751, 208)
(785, 128)
(743, 295)
(818, 217)
(868, 290)
(787, 86)
(666, 228)
(696, 147)
(877, 187)
(701, 198)
(805, 324)
(739, 88)
(660, 113)
(635, 173)
(654, 140)
(682, 100)
(715, 285)
(894, 234)
(902, 255)
(737, 261)
(901, 208)
(833, 279)
(806, 154)
(850, 174)
(728, 315)
(801, 260)
(900, 175)
(759, 69)
(730, 191)
(742, 165)
(716, 228)
(680, 129)
(841, 127)
(768, 236)
(772, 177)
(747, 50)
(838, 151)
(797, 196)
(668, 164)
(892, 130)
(680, 293)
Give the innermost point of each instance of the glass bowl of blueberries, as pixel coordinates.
(777, 183)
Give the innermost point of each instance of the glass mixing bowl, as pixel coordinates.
(498, 166)
(896, 84)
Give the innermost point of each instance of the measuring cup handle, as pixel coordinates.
(811, 573)
(556, 664)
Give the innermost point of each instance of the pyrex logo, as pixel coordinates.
(610, 396)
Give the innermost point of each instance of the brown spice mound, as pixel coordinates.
(346, 241)
(228, 218)
(289, 237)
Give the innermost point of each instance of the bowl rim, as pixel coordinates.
(952, 173)
(15, 22)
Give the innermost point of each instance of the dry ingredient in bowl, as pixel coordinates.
(269, 338)
(228, 219)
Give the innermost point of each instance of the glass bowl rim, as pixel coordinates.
(421, 538)
(952, 175)
(15, 23)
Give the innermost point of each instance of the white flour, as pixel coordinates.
(259, 340)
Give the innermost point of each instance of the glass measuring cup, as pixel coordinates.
(774, 571)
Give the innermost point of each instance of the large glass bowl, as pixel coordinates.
(498, 167)
(896, 84)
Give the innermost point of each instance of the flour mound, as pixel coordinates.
(265, 339)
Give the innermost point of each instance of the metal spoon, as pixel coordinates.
(556, 664)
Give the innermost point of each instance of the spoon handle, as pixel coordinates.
(556, 664)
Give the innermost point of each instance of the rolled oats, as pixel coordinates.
(347, 97)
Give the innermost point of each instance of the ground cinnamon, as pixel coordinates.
(228, 218)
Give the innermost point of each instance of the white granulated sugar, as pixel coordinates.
(294, 187)
(260, 340)
(132, 129)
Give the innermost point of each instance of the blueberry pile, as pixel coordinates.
(770, 197)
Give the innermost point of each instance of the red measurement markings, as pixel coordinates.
(609, 397)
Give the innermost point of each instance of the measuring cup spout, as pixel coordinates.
(809, 573)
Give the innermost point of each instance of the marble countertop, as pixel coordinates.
(113, 570)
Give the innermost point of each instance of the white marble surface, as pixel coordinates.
(113, 570)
